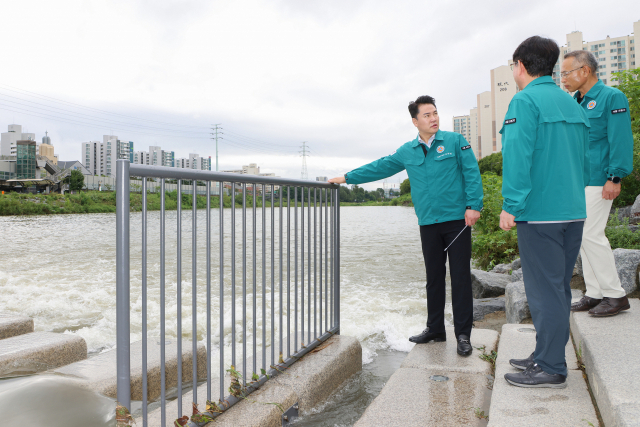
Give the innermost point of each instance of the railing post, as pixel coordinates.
(337, 261)
(122, 285)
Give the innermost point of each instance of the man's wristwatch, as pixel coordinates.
(614, 179)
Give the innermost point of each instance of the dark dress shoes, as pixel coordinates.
(534, 376)
(464, 346)
(585, 303)
(610, 307)
(522, 364)
(428, 336)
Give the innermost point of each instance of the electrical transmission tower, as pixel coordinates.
(216, 135)
(304, 154)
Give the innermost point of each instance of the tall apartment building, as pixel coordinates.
(100, 157)
(461, 125)
(473, 130)
(484, 145)
(9, 140)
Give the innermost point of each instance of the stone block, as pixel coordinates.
(610, 351)
(634, 212)
(501, 269)
(516, 264)
(486, 284)
(627, 264)
(482, 307)
(516, 275)
(12, 325)
(516, 306)
(99, 372)
(516, 406)
(412, 398)
(577, 269)
(443, 356)
(39, 351)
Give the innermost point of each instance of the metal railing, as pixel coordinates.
(296, 249)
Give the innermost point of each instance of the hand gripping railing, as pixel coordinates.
(280, 239)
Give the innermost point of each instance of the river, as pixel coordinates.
(60, 270)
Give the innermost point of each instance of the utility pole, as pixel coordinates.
(215, 132)
(304, 154)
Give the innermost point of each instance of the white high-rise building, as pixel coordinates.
(11, 137)
(100, 157)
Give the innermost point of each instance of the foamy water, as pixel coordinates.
(60, 270)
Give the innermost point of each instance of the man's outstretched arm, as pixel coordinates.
(374, 171)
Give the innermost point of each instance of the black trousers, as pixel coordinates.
(435, 238)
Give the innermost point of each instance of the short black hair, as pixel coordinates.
(414, 105)
(538, 55)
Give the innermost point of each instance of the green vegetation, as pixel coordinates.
(405, 187)
(75, 180)
(492, 245)
(491, 163)
(620, 235)
(357, 194)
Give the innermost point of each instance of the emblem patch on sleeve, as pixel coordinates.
(509, 121)
(466, 147)
(619, 110)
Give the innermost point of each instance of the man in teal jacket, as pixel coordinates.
(446, 190)
(545, 149)
(611, 155)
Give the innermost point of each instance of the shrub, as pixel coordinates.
(619, 234)
(491, 163)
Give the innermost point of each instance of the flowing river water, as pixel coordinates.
(60, 270)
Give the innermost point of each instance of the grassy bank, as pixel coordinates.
(404, 200)
(105, 202)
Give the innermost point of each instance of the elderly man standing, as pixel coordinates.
(446, 190)
(611, 154)
(545, 148)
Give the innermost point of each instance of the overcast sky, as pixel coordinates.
(337, 74)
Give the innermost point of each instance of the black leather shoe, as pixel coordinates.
(464, 346)
(534, 376)
(427, 336)
(585, 303)
(521, 364)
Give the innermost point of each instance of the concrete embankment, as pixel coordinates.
(435, 386)
(610, 348)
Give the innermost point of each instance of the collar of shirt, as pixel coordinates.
(428, 143)
(540, 80)
(593, 92)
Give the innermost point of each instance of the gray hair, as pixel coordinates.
(584, 57)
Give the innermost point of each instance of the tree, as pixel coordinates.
(75, 180)
(380, 193)
(405, 187)
(345, 194)
(491, 163)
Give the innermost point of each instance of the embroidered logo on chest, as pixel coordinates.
(440, 148)
(591, 105)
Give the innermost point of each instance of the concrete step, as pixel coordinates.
(12, 325)
(610, 348)
(307, 382)
(39, 351)
(539, 407)
(99, 373)
(413, 396)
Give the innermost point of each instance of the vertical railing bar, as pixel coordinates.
(320, 260)
(221, 303)
(273, 361)
(264, 279)
(337, 268)
(123, 288)
(309, 265)
(179, 295)
(244, 284)
(209, 290)
(194, 288)
(144, 302)
(302, 267)
(163, 378)
(255, 299)
(295, 251)
(288, 271)
(315, 271)
(326, 258)
(233, 275)
(280, 269)
(333, 221)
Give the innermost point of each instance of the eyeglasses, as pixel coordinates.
(513, 64)
(566, 73)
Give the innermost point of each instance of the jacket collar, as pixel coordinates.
(439, 137)
(593, 92)
(539, 81)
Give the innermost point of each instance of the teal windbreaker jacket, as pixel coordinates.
(443, 183)
(545, 152)
(610, 136)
